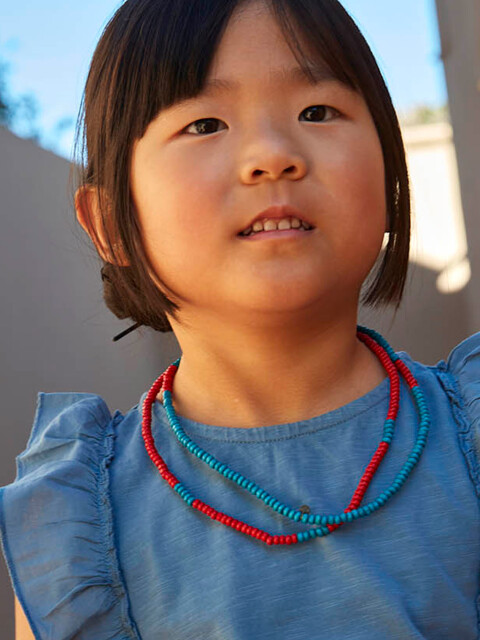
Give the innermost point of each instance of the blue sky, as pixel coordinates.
(48, 46)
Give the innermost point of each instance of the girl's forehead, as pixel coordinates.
(254, 41)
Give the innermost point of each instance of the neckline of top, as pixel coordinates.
(341, 415)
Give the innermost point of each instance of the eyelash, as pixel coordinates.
(336, 113)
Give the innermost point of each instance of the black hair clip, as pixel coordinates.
(127, 331)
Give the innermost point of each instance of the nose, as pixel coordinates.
(272, 164)
(273, 169)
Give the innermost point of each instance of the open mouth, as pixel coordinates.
(270, 226)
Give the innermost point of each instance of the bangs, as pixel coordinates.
(172, 58)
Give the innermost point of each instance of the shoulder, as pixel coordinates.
(463, 364)
(56, 522)
(67, 426)
(465, 355)
(459, 376)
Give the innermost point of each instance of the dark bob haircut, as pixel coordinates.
(154, 53)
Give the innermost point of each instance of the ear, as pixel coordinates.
(87, 207)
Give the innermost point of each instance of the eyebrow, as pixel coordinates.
(318, 74)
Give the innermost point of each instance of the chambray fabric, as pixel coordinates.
(98, 545)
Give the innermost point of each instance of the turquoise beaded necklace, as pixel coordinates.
(325, 524)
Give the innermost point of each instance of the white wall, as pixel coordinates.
(437, 311)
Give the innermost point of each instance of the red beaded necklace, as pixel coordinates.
(326, 524)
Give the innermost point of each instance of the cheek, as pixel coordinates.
(358, 175)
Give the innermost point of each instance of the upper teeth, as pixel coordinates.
(272, 225)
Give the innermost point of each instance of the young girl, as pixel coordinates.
(290, 476)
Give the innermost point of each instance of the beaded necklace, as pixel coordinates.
(325, 524)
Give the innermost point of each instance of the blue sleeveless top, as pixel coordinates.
(98, 546)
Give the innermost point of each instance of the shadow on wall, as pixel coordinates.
(428, 323)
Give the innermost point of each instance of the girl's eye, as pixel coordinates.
(204, 125)
(317, 112)
(321, 110)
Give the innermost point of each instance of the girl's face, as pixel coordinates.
(205, 168)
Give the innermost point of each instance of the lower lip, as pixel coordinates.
(279, 235)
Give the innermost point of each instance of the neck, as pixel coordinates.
(248, 377)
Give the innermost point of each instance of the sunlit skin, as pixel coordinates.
(267, 329)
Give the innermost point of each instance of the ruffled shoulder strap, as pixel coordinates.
(461, 380)
(56, 523)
